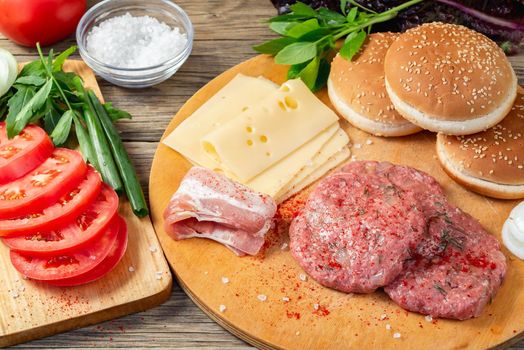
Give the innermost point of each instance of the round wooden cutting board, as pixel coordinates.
(270, 302)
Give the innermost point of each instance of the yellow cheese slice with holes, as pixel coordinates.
(273, 179)
(335, 144)
(332, 163)
(269, 131)
(240, 93)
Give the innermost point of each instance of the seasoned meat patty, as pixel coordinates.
(457, 270)
(358, 227)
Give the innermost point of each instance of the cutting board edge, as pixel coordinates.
(90, 319)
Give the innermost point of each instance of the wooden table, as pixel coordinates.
(225, 31)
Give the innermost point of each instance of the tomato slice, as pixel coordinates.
(67, 265)
(43, 186)
(85, 228)
(107, 265)
(66, 209)
(22, 153)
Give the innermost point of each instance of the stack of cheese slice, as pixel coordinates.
(276, 140)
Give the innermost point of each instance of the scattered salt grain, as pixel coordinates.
(369, 142)
(285, 299)
(134, 42)
(159, 275)
(357, 146)
(222, 308)
(302, 277)
(284, 246)
(383, 317)
(225, 280)
(396, 335)
(429, 318)
(262, 297)
(388, 326)
(131, 269)
(152, 249)
(316, 306)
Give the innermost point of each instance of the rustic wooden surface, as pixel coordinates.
(225, 32)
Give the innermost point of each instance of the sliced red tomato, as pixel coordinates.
(107, 265)
(67, 265)
(22, 153)
(56, 176)
(85, 228)
(66, 209)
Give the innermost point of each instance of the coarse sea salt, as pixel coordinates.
(134, 42)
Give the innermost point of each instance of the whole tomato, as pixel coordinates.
(27, 22)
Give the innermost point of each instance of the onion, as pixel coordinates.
(8, 71)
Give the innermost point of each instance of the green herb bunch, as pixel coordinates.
(309, 37)
(44, 92)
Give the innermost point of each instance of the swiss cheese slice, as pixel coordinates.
(269, 131)
(333, 146)
(239, 94)
(332, 163)
(272, 180)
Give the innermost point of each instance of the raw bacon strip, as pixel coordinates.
(209, 205)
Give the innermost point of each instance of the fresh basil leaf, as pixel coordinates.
(303, 28)
(287, 18)
(29, 109)
(3, 103)
(310, 72)
(60, 59)
(273, 47)
(296, 53)
(34, 68)
(295, 70)
(316, 34)
(51, 118)
(62, 129)
(66, 79)
(352, 45)
(34, 80)
(299, 8)
(344, 6)
(330, 18)
(352, 15)
(115, 113)
(22, 96)
(282, 27)
(323, 74)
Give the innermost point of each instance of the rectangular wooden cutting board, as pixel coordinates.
(30, 310)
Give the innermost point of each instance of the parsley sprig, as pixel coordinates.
(308, 37)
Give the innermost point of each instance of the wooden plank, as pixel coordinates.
(31, 310)
(217, 49)
(200, 264)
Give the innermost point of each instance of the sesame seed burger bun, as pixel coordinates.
(450, 79)
(357, 90)
(490, 162)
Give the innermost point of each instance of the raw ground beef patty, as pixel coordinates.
(372, 225)
(457, 271)
(358, 228)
